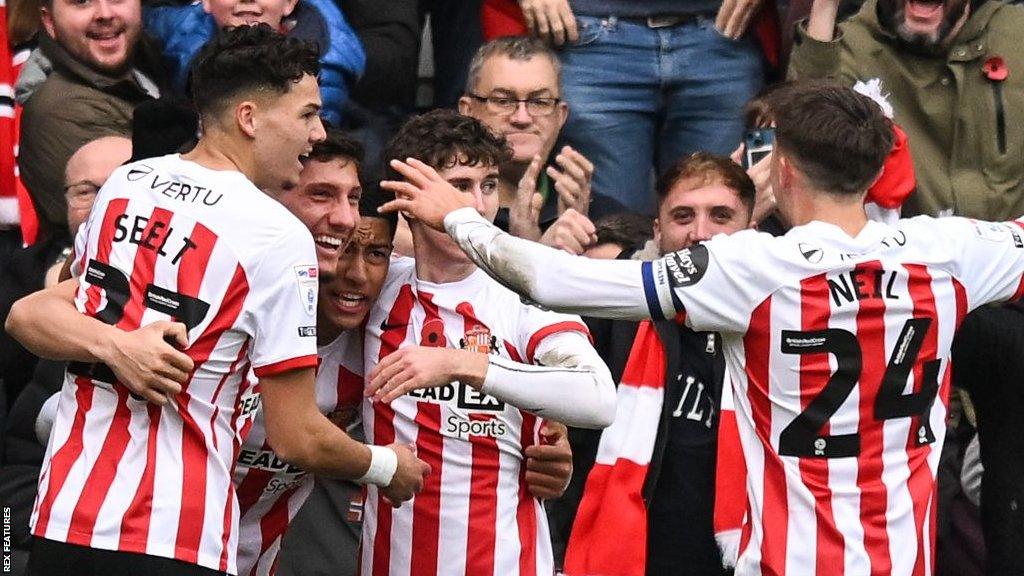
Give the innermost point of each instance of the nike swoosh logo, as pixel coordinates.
(384, 326)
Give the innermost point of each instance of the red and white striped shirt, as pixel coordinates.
(271, 492)
(168, 238)
(838, 349)
(474, 515)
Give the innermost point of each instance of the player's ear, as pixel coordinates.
(245, 117)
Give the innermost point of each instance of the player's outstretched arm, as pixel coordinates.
(302, 436)
(573, 387)
(552, 278)
(49, 325)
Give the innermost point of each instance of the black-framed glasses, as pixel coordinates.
(508, 105)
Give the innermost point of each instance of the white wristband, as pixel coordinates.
(383, 464)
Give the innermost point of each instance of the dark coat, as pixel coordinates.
(74, 106)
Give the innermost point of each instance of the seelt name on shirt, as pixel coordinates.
(155, 236)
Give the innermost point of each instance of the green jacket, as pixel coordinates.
(74, 106)
(966, 132)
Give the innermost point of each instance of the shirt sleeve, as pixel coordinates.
(548, 277)
(563, 378)
(714, 286)
(281, 315)
(991, 268)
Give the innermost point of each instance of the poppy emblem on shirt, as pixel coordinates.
(995, 69)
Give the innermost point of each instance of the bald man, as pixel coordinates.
(86, 171)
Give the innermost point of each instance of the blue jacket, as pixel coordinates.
(182, 31)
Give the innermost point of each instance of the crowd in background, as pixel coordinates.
(615, 113)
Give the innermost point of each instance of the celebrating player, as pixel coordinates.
(131, 487)
(450, 354)
(836, 335)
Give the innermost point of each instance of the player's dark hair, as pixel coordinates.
(837, 138)
(245, 59)
(703, 169)
(372, 199)
(627, 230)
(338, 144)
(444, 138)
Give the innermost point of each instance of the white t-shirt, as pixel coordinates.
(168, 238)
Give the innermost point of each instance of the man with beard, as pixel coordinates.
(102, 69)
(952, 71)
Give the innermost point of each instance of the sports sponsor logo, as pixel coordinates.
(249, 405)
(138, 172)
(991, 231)
(307, 331)
(306, 279)
(473, 399)
(1017, 243)
(266, 460)
(462, 428)
(810, 252)
(686, 267)
(465, 397)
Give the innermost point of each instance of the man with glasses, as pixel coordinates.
(514, 88)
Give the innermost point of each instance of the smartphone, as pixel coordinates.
(757, 144)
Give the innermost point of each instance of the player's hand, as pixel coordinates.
(734, 17)
(572, 180)
(764, 195)
(415, 367)
(550, 20)
(549, 464)
(424, 194)
(524, 213)
(572, 232)
(149, 362)
(409, 476)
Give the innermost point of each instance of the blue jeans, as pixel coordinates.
(640, 98)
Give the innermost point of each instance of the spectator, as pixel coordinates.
(102, 69)
(514, 88)
(183, 29)
(386, 94)
(698, 197)
(456, 35)
(618, 233)
(953, 72)
(988, 358)
(650, 81)
(87, 170)
(30, 268)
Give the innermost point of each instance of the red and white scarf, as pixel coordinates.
(609, 536)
